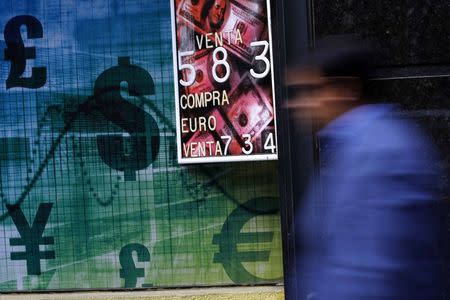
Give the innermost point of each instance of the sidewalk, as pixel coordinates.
(228, 293)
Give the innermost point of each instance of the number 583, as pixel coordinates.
(223, 61)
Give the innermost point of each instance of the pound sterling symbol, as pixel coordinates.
(18, 54)
(231, 235)
(140, 149)
(32, 237)
(129, 272)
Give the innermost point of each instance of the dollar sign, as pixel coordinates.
(18, 54)
(139, 150)
(231, 235)
(129, 272)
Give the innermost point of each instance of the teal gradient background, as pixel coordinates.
(215, 224)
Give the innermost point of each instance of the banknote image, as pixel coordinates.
(224, 78)
(265, 138)
(243, 27)
(257, 6)
(220, 142)
(250, 110)
(185, 35)
(205, 15)
(234, 24)
(248, 114)
(207, 142)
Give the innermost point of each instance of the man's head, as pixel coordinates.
(332, 77)
(214, 13)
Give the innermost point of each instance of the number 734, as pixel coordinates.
(269, 144)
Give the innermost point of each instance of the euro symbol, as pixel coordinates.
(32, 237)
(230, 236)
(129, 272)
(18, 54)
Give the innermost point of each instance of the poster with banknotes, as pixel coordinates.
(223, 77)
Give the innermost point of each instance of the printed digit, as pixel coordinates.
(181, 67)
(261, 57)
(218, 62)
(247, 140)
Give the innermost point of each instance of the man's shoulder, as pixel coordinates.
(379, 133)
(377, 125)
(394, 130)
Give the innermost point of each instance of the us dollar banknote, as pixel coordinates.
(243, 26)
(250, 109)
(232, 24)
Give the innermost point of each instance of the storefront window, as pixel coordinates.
(92, 195)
